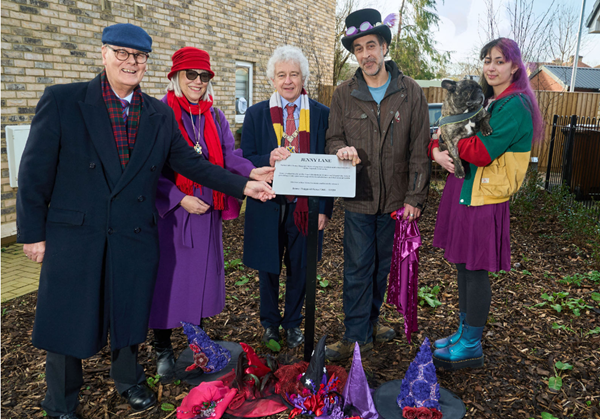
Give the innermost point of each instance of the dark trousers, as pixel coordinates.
(292, 248)
(64, 378)
(368, 245)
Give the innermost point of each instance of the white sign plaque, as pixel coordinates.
(315, 175)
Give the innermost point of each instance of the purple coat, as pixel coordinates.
(190, 283)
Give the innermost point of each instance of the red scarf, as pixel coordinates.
(211, 138)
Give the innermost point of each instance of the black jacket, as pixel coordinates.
(98, 221)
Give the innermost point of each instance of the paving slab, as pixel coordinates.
(20, 276)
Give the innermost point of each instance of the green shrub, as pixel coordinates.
(580, 224)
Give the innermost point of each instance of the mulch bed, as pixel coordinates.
(520, 343)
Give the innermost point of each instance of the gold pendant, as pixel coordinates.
(291, 149)
(291, 137)
(198, 148)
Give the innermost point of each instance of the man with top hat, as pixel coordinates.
(85, 207)
(379, 120)
(289, 122)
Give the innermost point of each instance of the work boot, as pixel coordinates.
(465, 353)
(453, 338)
(165, 357)
(383, 333)
(344, 349)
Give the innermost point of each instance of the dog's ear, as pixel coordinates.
(449, 85)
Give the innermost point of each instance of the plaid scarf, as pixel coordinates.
(124, 136)
(276, 110)
(211, 138)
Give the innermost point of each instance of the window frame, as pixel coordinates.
(250, 66)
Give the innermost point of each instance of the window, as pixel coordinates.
(243, 89)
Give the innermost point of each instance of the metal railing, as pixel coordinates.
(574, 158)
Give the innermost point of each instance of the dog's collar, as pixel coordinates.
(461, 117)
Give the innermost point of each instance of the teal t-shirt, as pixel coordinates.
(379, 92)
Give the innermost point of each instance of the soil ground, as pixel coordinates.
(520, 344)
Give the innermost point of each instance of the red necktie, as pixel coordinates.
(290, 128)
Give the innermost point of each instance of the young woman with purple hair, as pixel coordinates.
(473, 224)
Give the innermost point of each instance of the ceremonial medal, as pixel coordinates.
(198, 148)
(291, 137)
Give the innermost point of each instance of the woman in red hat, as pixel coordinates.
(190, 284)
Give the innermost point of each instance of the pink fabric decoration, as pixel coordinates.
(209, 399)
(404, 272)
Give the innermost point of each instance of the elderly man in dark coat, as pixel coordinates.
(289, 122)
(85, 206)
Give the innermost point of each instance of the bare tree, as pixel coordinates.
(341, 54)
(564, 41)
(543, 37)
(490, 22)
(470, 66)
(530, 31)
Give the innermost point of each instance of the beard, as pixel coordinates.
(374, 70)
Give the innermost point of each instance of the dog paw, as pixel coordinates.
(487, 131)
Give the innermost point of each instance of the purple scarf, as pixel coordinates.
(404, 272)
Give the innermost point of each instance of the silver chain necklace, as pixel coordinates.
(197, 147)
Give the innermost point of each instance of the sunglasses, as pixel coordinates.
(193, 75)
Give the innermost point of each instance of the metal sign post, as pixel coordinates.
(312, 254)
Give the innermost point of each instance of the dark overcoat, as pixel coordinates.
(98, 221)
(262, 219)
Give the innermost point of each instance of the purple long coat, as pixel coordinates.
(190, 284)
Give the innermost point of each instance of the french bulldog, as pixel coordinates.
(464, 97)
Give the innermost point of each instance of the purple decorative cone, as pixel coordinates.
(357, 394)
(419, 386)
(208, 355)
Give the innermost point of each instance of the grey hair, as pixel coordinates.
(173, 86)
(288, 53)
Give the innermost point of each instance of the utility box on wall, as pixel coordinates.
(16, 138)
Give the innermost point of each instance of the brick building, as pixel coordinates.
(46, 42)
(558, 79)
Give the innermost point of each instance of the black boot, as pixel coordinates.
(165, 358)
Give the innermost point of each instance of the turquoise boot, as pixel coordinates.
(453, 338)
(466, 353)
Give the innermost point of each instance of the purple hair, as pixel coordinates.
(520, 81)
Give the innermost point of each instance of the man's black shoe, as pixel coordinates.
(294, 337)
(271, 332)
(66, 416)
(139, 397)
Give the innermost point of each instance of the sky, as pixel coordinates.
(460, 21)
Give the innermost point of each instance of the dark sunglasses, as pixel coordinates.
(193, 75)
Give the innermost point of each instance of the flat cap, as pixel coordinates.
(128, 36)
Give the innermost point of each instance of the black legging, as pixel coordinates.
(162, 337)
(474, 295)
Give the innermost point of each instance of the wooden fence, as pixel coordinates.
(582, 104)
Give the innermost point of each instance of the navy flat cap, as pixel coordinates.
(128, 36)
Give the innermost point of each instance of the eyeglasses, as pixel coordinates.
(193, 75)
(122, 55)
